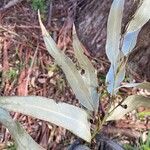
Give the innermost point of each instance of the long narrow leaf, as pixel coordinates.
(90, 77)
(113, 42)
(131, 103)
(141, 17)
(23, 140)
(114, 30)
(73, 76)
(61, 114)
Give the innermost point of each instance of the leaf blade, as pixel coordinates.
(73, 76)
(90, 77)
(23, 140)
(141, 16)
(114, 79)
(144, 85)
(132, 103)
(113, 42)
(114, 30)
(129, 42)
(61, 114)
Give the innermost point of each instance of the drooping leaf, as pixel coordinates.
(114, 30)
(141, 17)
(61, 114)
(131, 103)
(89, 76)
(22, 139)
(73, 76)
(129, 42)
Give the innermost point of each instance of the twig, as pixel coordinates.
(126, 132)
(30, 70)
(5, 63)
(27, 27)
(50, 13)
(10, 4)
(9, 31)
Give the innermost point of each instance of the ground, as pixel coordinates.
(26, 68)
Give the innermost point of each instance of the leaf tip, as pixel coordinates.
(44, 31)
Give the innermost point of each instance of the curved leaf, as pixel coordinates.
(61, 114)
(141, 17)
(73, 76)
(90, 77)
(23, 140)
(114, 30)
(131, 102)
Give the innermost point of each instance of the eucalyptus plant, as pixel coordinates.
(84, 85)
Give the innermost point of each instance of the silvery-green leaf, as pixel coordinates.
(110, 79)
(114, 30)
(119, 77)
(73, 76)
(114, 79)
(129, 42)
(141, 17)
(61, 114)
(143, 85)
(90, 76)
(131, 102)
(23, 140)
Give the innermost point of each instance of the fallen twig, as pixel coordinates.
(50, 13)
(10, 4)
(126, 132)
(30, 71)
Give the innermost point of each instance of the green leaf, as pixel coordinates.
(144, 114)
(141, 17)
(114, 30)
(72, 74)
(61, 114)
(131, 103)
(22, 139)
(89, 76)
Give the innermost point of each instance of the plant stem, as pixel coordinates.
(101, 123)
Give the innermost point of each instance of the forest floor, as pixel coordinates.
(26, 68)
